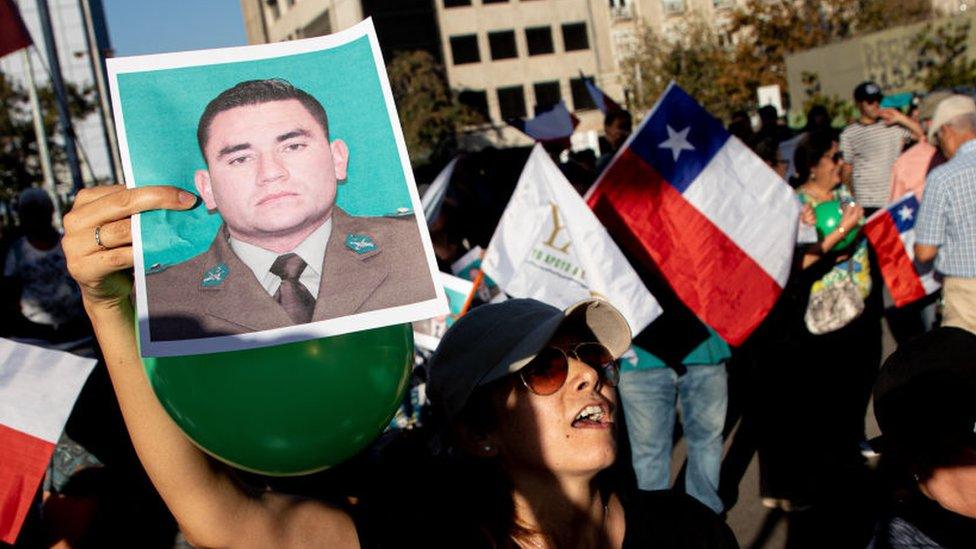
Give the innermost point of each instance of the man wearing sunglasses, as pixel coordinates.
(871, 144)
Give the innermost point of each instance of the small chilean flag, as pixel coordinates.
(891, 232)
(716, 221)
(13, 33)
(38, 388)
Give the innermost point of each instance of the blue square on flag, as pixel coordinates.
(903, 213)
(679, 139)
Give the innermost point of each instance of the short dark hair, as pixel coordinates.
(255, 92)
(619, 114)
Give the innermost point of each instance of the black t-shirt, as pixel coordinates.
(659, 520)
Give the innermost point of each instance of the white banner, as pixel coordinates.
(550, 246)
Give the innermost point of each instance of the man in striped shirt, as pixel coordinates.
(872, 144)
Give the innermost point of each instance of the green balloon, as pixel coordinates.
(290, 409)
(828, 219)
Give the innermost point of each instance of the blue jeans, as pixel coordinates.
(649, 398)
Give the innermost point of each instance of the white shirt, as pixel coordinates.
(311, 250)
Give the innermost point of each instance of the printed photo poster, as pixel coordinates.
(308, 222)
(427, 333)
(468, 266)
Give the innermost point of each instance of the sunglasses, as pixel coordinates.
(547, 372)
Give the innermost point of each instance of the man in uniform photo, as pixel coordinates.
(286, 254)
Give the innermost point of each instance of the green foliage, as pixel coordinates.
(942, 59)
(20, 166)
(430, 113)
(840, 110)
(722, 68)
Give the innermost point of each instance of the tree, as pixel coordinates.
(722, 68)
(20, 165)
(942, 59)
(430, 113)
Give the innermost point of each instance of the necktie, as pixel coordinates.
(292, 295)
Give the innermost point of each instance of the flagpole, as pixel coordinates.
(61, 101)
(474, 290)
(95, 56)
(44, 155)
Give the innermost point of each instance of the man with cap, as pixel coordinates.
(945, 231)
(923, 401)
(909, 171)
(871, 144)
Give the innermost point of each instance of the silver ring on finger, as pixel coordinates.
(98, 237)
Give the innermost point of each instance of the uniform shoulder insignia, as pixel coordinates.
(215, 276)
(400, 212)
(360, 243)
(156, 268)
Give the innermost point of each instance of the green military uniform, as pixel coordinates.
(370, 263)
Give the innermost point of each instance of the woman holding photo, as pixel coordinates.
(528, 420)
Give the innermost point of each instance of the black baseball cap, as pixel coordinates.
(925, 399)
(498, 339)
(868, 91)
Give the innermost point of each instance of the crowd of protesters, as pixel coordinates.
(496, 464)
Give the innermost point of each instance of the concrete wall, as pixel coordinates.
(885, 57)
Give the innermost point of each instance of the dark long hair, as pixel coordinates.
(808, 153)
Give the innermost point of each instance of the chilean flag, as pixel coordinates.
(13, 33)
(38, 388)
(718, 223)
(892, 235)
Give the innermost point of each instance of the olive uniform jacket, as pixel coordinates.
(370, 263)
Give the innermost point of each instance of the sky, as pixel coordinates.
(139, 27)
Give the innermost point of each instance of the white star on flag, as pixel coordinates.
(905, 213)
(677, 142)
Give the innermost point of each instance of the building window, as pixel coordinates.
(547, 94)
(581, 96)
(539, 40)
(456, 3)
(574, 37)
(502, 44)
(476, 101)
(673, 6)
(511, 102)
(464, 49)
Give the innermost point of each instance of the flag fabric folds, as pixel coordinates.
(549, 246)
(434, 195)
(553, 124)
(600, 99)
(693, 200)
(38, 388)
(13, 32)
(891, 232)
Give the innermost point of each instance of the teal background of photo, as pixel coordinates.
(161, 109)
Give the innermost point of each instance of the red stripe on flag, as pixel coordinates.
(25, 459)
(897, 267)
(726, 288)
(13, 33)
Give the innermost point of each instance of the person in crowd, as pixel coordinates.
(818, 121)
(912, 166)
(924, 405)
(649, 390)
(43, 302)
(814, 389)
(872, 143)
(771, 154)
(617, 126)
(770, 127)
(527, 420)
(741, 126)
(908, 176)
(946, 228)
